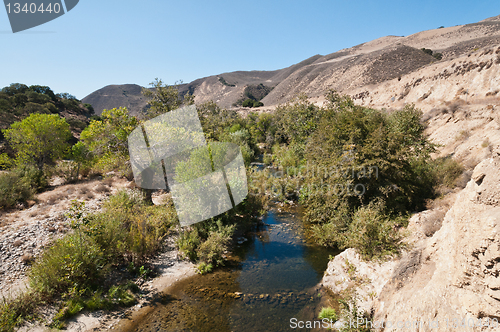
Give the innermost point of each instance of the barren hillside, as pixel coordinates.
(372, 68)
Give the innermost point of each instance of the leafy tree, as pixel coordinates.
(39, 139)
(45, 90)
(65, 95)
(297, 121)
(248, 103)
(15, 88)
(262, 127)
(214, 119)
(370, 168)
(79, 155)
(164, 98)
(90, 108)
(107, 139)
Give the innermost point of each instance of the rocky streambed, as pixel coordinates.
(271, 278)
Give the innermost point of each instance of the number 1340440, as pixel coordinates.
(33, 8)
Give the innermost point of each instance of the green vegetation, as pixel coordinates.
(358, 172)
(39, 139)
(38, 142)
(164, 98)
(223, 82)
(252, 95)
(252, 103)
(17, 101)
(438, 56)
(107, 140)
(20, 185)
(76, 270)
(328, 313)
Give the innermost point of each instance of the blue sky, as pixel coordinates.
(116, 42)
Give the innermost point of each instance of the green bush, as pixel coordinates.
(248, 103)
(128, 229)
(14, 311)
(204, 268)
(206, 242)
(74, 261)
(446, 171)
(187, 243)
(19, 186)
(328, 313)
(212, 250)
(373, 232)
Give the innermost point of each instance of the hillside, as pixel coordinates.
(18, 101)
(356, 70)
(111, 96)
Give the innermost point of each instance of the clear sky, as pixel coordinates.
(117, 42)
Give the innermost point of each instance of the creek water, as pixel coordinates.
(271, 278)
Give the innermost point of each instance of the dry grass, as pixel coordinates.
(108, 181)
(27, 258)
(101, 188)
(433, 222)
(52, 199)
(443, 203)
(462, 135)
(84, 190)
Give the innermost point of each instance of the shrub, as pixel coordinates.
(14, 311)
(446, 171)
(427, 51)
(129, 230)
(107, 140)
(17, 186)
(204, 268)
(206, 242)
(72, 262)
(39, 139)
(438, 56)
(373, 233)
(212, 250)
(187, 243)
(248, 103)
(328, 313)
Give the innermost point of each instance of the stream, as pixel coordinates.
(271, 278)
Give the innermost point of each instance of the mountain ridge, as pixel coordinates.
(362, 66)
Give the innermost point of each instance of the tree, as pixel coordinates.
(107, 139)
(162, 98)
(39, 139)
(215, 119)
